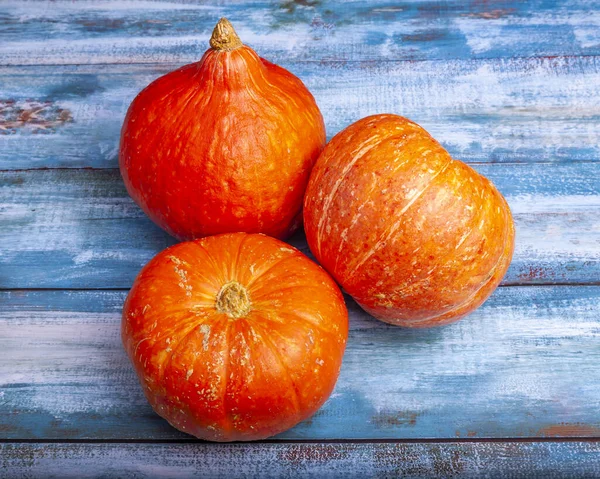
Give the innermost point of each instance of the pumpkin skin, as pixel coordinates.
(416, 238)
(235, 337)
(222, 145)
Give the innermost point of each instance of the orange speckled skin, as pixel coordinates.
(416, 238)
(235, 379)
(223, 145)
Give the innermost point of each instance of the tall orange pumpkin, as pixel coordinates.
(235, 337)
(222, 145)
(416, 238)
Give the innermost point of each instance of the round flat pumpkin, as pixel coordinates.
(417, 238)
(235, 337)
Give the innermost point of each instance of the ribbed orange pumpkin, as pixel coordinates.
(416, 238)
(235, 337)
(222, 145)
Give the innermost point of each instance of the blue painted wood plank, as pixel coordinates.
(546, 460)
(523, 110)
(79, 228)
(62, 31)
(524, 365)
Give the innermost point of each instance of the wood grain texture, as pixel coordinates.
(111, 31)
(79, 229)
(546, 460)
(523, 365)
(501, 81)
(514, 110)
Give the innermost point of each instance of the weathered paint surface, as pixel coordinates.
(495, 81)
(548, 460)
(79, 229)
(512, 110)
(115, 31)
(524, 365)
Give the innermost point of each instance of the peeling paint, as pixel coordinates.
(33, 116)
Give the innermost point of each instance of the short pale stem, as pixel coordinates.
(224, 37)
(233, 300)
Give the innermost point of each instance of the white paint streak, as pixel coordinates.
(87, 256)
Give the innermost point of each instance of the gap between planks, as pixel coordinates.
(465, 440)
(504, 285)
(471, 163)
(175, 65)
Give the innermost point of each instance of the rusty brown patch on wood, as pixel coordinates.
(12, 180)
(21, 454)
(306, 3)
(533, 273)
(570, 430)
(437, 10)
(317, 22)
(31, 115)
(102, 24)
(389, 419)
(428, 36)
(400, 461)
(491, 15)
(291, 5)
(312, 453)
(5, 429)
(447, 464)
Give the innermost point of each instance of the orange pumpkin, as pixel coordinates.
(416, 238)
(222, 145)
(235, 337)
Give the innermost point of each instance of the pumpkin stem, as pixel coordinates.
(233, 300)
(224, 37)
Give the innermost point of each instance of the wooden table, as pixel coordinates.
(511, 87)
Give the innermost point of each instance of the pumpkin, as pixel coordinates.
(417, 238)
(222, 145)
(235, 337)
